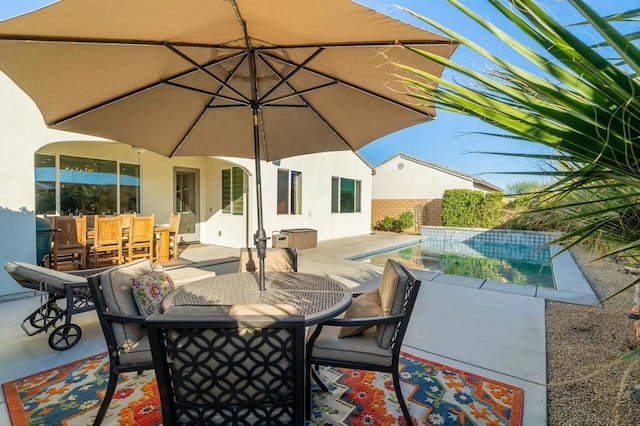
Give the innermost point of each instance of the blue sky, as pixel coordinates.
(449, 140)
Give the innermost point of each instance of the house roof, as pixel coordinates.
(479, 182)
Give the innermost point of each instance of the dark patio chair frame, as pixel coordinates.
(401, 320)
(116, 367)
(273, 345)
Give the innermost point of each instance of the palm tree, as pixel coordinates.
(581, 103)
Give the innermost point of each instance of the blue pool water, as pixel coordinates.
(508, 263)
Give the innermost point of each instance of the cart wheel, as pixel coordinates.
(45, 314)
(65, 337)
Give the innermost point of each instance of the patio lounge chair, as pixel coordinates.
(369, 336)
(55, 286)
(231, 370)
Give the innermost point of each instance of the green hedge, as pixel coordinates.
(467, 208)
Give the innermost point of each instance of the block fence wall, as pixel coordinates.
(425, 212)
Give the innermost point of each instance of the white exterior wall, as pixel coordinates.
(23, 133)
(317, 170)
(414, 181)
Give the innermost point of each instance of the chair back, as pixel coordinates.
(108, 231)
(277, 260)
(398, 292)
(107, 238)
(174, 223)
(70, 231)
(140, 238)
(219, 369)
(69, 238)
(126, 219)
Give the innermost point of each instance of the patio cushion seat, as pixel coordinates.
(33, 276)
(137, 353)
(119, 300)
(181, 276)
(364, 306)
(362, 348)
(393, 291)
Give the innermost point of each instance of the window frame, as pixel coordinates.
(115, 176)
(339, 203)
(289, 199)
(234, 206)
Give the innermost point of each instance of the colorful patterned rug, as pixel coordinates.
(437, 395)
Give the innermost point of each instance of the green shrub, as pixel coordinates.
(391, 224)
(405, 221)
(467, 208)
(490, 209)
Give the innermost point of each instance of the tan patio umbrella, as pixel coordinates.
(238, 78)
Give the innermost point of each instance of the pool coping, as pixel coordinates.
(571, 284)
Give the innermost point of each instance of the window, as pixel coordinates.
(289, 192)
(86, 185)
(345, 195)
(129, 188)
(232, 191)
(45, 184)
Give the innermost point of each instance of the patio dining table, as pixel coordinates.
(317, 298)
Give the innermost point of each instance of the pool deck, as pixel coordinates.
(487, 328)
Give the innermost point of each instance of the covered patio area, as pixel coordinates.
(488, 333)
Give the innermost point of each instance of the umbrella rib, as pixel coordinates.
(240, 102)
(298, 93)
(284, 79)
(184, 137)
(132, 42)
(204, 70)
(353, 86)
(131, 93)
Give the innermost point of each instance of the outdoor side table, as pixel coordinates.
(316, 297)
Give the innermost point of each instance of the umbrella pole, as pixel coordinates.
(260, 237)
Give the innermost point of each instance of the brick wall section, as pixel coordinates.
(425, 211)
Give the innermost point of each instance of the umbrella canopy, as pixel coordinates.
(238, 78)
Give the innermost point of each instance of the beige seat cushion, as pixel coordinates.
(116, 288)
(277, 260)
(278, 309)
(36, 277)
(366, 305)
(256, 315)
(181, 276)
(393, 291)
(360, 348)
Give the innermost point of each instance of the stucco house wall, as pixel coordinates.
(404, 183)
(23, 134)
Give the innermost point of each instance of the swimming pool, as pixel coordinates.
(507, 263)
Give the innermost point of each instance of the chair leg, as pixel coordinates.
(401, 401)
(307, 394)
(111, 388)
(316, 377)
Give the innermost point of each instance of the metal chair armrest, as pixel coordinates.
(125, 318)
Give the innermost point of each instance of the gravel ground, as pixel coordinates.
(586, 386)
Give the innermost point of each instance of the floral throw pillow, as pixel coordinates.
(149, 290)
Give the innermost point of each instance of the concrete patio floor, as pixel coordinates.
(489, 331)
